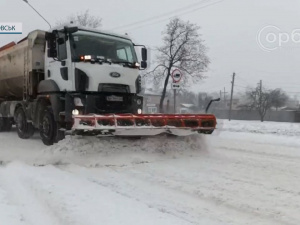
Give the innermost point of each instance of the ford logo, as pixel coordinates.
(115, 74)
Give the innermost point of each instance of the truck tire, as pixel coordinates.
(208, 132)
(60, 136)
(47, 126)
(25, 130)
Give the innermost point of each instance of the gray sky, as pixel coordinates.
(229, 28)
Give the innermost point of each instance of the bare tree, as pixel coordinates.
(246, 102)
(279, 98)
(183, 49)
(263, 100)
(260, 100)
(84, 19)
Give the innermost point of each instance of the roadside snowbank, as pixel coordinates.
(272, 133)
(277, 128)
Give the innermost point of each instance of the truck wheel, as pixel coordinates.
(47, 126)
(25, 130)
(60, 136)
(208, 132)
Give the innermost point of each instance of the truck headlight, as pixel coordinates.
(139, 111)
(75, 112)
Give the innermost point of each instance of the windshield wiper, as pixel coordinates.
(125, 63)
(103, 60)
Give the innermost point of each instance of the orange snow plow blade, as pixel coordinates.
(143, 124)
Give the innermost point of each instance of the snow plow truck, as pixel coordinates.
(81, 81)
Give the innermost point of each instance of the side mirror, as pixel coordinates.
(51, 45)
(60, 41)
(144, 54)
(70, 30)
(144, 64)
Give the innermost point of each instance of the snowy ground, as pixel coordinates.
(245, 173)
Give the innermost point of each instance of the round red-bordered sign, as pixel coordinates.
(176, 75)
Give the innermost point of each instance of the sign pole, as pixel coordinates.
(176, 76)
(174, 100)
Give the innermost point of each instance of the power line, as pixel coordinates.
(273, 72)
(243, 80)
(161, 15)
(134, 28)
(267, 72)
(240, 86)
(270, 83)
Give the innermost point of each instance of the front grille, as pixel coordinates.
(103, 105)
(114, 88)
(114, 91)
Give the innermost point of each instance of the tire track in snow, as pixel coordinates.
(9, 213)
(132, 188)
(22, 194)
(59, 197)
(180, 199)
(252, 151)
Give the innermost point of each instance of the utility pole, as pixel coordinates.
(220, 94)
(232, 85)
(224, 98)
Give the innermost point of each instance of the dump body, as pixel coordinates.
(13, 66)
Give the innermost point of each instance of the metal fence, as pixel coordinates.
(277, 116)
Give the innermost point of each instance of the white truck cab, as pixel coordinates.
(48, 77)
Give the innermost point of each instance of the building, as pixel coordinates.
(152, 100)
(187, 108)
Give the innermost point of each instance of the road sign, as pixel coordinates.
(176, 75)
(176, 86)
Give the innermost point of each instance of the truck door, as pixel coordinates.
(60, 69)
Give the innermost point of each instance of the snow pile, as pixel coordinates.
(277, 128)
(274, 133)
(109, 151)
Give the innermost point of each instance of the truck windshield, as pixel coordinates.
(115, 49)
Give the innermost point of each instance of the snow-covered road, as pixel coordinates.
(245, 173)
